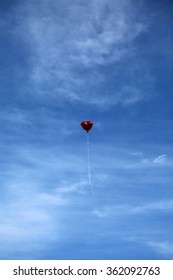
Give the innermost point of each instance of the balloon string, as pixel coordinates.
(89, 172)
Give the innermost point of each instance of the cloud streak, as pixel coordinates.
(124, 209)
(160, 160)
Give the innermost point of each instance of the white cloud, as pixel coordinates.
(147, 162)
(25, 215)
(160, 159)
(35, 195)
(127, 209)
(71, 44)
(31, 213)
(73, 187)
(161, 205)
(138, 154)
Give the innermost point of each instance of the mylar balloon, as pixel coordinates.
(86, 125)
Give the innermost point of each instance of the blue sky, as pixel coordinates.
(63, 62)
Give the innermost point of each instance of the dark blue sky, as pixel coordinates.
(62, 63)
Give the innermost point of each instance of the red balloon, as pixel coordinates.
(86, 125)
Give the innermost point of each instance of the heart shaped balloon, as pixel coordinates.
(86, 125)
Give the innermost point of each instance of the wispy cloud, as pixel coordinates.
(126, 209)
(146, 162)
(27, 213)
(20, 123)
(71, 45)
(35, 202)
(163, 248)
(160, 159)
